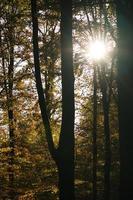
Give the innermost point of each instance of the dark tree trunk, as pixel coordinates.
(66, 142)
(11, 117)
(64, 155)
(107, 145)
(11, 154)
(107, 165)
(125, 94)
(40, 91)
(66, 178)
(95, 135)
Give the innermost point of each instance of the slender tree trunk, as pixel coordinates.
(95, 135)
(125, 94)
(40, 91)
(11, 154)
(11, 121)
(107, 145)
(107, 165)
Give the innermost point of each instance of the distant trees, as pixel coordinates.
(103, 77)
(7, 43)
(14, 52)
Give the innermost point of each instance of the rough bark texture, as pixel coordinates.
(125, 93)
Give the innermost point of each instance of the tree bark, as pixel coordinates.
(125, 95)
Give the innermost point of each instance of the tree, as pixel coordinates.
(64, 154)
(94, 131)
(105, 89)
(8, 74)
(125, 94)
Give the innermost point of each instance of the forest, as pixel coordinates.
(66, 100)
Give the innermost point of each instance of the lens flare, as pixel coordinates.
(97, 50)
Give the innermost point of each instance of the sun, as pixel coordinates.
(97, 50)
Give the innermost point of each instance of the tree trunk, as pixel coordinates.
(66, 142)
(107, 165)
(11, 116)
(66, 178)
(107, 145)
(125, 94)
(95, 135)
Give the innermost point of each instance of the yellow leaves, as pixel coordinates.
(27, 196)
(20, 85)
(4, 150)
(56, 132)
